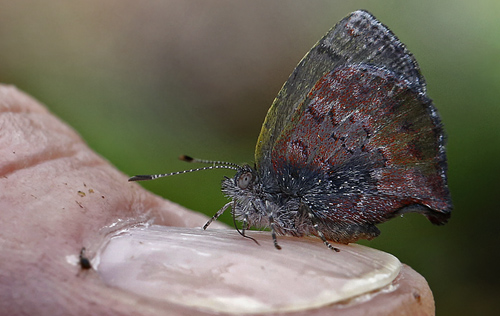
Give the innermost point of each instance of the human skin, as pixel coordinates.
(57, 195)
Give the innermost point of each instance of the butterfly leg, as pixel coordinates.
(273, 232)
(245, 225)
(219, 213)
(313, 219)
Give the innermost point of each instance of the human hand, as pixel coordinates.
(57, 196)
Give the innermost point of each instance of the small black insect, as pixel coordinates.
(84, 261)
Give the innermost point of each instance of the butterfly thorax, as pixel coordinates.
(283, 198)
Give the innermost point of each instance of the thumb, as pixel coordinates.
(57, 196)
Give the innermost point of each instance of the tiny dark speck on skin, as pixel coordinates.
(84, 261)
(417, 297)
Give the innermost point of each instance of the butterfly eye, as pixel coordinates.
(244, 180)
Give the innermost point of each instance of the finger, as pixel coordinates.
(57, 196)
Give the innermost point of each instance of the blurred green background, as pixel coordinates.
(146, 81)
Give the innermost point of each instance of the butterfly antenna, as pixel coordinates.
(215, 165)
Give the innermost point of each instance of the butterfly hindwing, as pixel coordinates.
(368, 139)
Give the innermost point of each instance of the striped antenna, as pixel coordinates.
(215, 165)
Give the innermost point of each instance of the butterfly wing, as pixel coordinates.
(358, 38)
(354, 135)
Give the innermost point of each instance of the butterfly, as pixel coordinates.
(352, 140)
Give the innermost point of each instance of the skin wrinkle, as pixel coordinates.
(44, 220)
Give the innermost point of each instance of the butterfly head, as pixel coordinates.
(243, 186)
